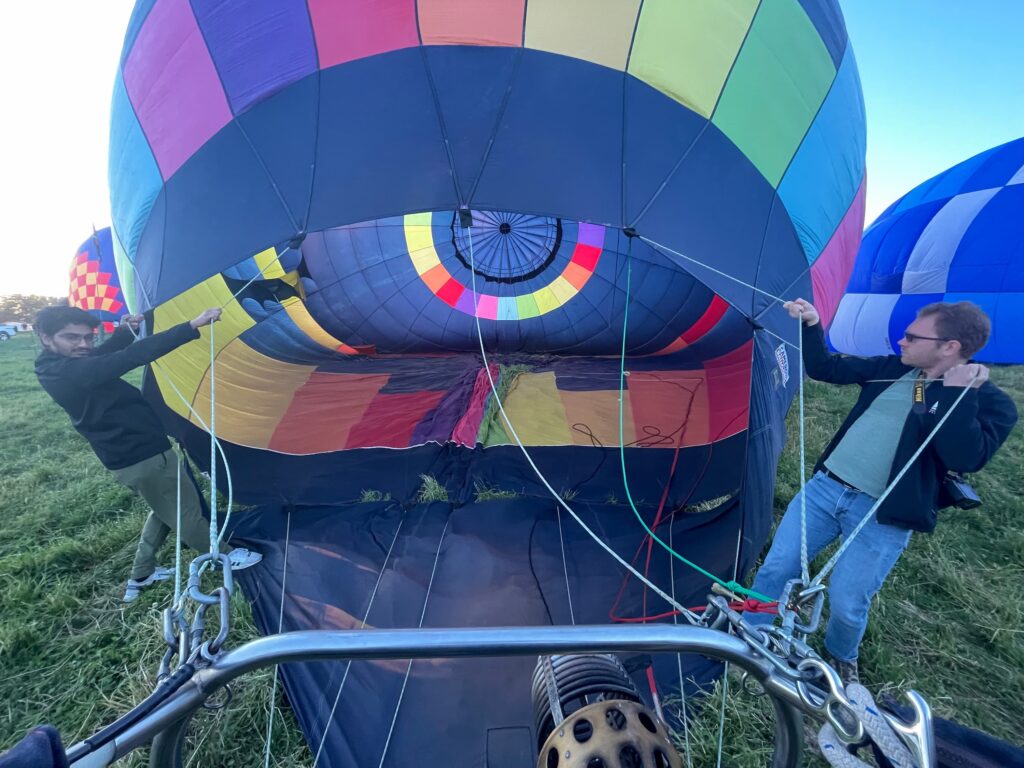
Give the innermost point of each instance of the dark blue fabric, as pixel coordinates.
(773, 384)
(334, 148)
(782, 271)
(656, 136)
(379, 128)
(573, 115)
(247, 211)
(715, 209)
(472, 91)
(282, 130)
(364, 288)
(42, 748)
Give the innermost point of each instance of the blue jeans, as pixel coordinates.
(834, 510)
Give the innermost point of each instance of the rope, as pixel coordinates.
(177, 538)
(565, 566)
(408, 669)
(214, 540)
(805, 566)
(870, 513)
(733, 585)
(280, 625)
(202, 423)
(362, 625)
(679, 660)
(721, 715)
(540, 475)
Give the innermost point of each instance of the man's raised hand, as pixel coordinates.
(209, 316)
(798, 306)
(132, 321)
(964, 375)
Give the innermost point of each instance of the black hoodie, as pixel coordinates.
(976, 428)
(110, 413)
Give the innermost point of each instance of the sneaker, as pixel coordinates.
(241, 558)
(847, 670)
(135, 586)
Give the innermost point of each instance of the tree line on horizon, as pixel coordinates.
(22, 308)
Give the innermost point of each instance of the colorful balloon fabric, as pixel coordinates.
(956, 237)
(94, 285)
(587, 186)
(731, 134)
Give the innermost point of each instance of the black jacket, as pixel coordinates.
(107, 411)
(968, 439)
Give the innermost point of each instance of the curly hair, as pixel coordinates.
(962, 321)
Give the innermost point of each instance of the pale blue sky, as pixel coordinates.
(943, 80)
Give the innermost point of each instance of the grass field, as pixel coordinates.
(950, 621)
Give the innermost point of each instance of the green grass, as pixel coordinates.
(949, 622)
(431, 490)
(483, 492)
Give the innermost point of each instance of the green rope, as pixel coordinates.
(733, 586)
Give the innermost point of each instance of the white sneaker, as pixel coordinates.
(135, 586)
(242, 558)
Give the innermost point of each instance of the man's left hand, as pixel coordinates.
(132, 321)
(962, 375)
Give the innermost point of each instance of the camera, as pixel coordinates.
(957, 492)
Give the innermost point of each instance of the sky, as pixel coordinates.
(942, 81)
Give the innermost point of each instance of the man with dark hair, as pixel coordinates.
(902, 399)
(122, 428)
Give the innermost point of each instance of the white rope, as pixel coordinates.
(280, 625)
(214, 539)
(805, 565)
(565, 566)
(494, 390)
(177, 537)
(362, 625)
(870, 513)
(702, 265)
(721, 715)
(408, 669)
(202, 423)
(679, 656)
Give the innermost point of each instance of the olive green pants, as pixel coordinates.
(156, 480)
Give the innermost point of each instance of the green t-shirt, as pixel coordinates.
(864, 456)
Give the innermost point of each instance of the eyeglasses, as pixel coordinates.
(75, 338)
(912, 337)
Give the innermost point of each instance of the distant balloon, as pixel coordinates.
(956, 237)
(94, 283)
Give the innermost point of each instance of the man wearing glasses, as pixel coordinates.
(122, 428)
(902, 398)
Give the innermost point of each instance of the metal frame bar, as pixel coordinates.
(165, 726)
